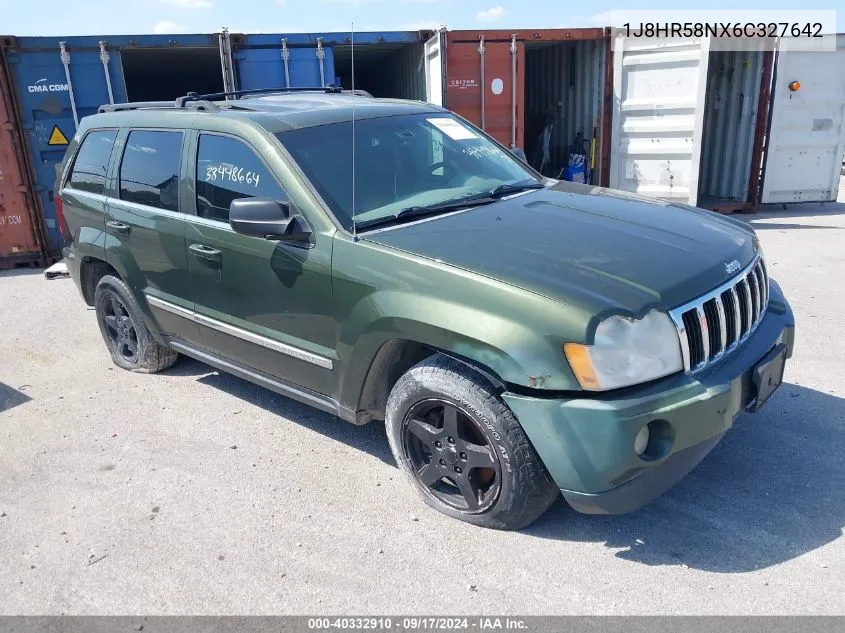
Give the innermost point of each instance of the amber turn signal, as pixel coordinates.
(794, 85)
(582, 365)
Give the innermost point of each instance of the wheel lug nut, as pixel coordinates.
(463, 456)
(438, 444)
(451, 440)
(442, 462)
(458, 469)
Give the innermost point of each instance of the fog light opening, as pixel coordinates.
(654, 441)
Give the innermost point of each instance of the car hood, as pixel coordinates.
(598, 249)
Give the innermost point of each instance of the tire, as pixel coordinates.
(127, 338)
(506, 477)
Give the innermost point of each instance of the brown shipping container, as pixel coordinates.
(517, 84)
(21, 236)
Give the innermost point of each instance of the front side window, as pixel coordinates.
(149, 171)
(92, 162)
(228, 169)
(401, 162)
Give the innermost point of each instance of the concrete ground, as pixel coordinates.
(195, 492)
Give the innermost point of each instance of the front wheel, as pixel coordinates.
(463, 449)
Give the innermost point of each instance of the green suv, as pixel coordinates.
(386, 260)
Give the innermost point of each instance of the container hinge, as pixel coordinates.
(321, 55)
(104, 57)
(64, 55)
(481, 52)
(286, 61)
(514, 50)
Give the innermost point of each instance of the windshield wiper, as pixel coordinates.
(505, 190)
(474, 200)
(419, 211)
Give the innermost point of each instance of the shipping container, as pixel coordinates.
(688, 121)
(806, 137)
(543, 91)
(21, 239)
(57, 81)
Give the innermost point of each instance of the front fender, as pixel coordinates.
(510, 348)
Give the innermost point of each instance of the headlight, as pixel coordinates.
(627, 352)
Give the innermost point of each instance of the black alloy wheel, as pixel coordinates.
(120, 331)
(450, 456)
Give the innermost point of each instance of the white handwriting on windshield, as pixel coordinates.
(230, 173)
(480, 151)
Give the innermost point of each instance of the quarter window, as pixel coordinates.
(92, 162)
(228, 169)
(149, 172)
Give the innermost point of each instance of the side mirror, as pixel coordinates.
(269, 219)
(520, 154)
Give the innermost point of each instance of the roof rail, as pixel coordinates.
(214, 96)
(157, 105)
(138, 105)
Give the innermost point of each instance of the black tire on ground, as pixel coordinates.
(524, 491)
(127, 338)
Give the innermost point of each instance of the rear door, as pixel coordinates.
(807, 134)
(145, 227)
(658, 115)
(261, 303)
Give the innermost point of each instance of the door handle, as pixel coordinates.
(201, 251)
(118, 227)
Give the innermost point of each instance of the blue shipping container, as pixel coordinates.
(58, 81)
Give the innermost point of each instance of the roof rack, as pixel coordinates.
(206, 106)
(204, 102)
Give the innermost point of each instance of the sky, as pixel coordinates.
(109, 17)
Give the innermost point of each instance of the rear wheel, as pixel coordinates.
(463, 449)
(127, 338)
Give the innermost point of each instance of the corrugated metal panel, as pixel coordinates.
(807, 129)
(564, 80)
(491, 109)
(658, 92)
(38, 76)
(20, 235)
(730, 117)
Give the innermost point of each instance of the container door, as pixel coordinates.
(284, 66)
(807, 133)
(658, 115)
(20, 237)
(50, 107)
(435, 68)
(486, 86)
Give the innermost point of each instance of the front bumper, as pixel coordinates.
(587, 444)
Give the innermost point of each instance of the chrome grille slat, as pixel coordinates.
(705, 334)
(715, 324)
(723, 324)
(737, 317)
(748, 322)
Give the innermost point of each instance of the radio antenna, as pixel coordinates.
(354, 224)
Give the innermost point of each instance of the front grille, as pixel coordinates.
(718, 322)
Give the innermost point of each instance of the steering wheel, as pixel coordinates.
(425, 179)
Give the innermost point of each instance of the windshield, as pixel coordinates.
(402, 163)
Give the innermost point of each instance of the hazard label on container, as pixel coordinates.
(56, 137)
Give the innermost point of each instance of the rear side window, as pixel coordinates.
(92, 162)
(228, 169)
(149, 172)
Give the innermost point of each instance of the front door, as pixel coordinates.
(262, 303)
